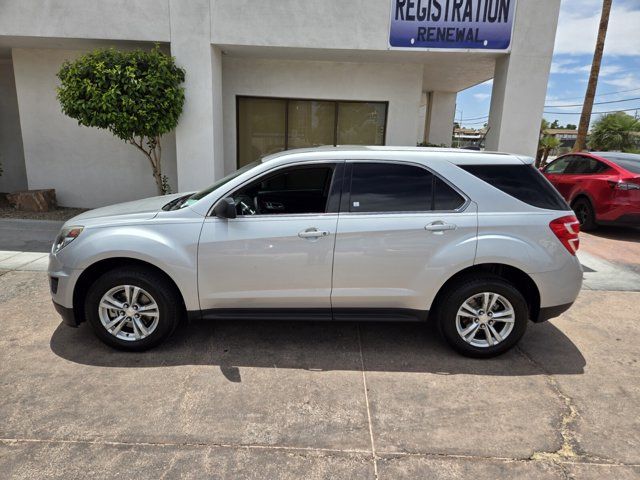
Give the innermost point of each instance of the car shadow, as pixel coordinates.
(322, 346)
(623, 234)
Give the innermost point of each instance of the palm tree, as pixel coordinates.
(615, 131)
(547, 143)
(544, 125)
(589, 97)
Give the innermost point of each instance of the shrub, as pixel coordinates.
(136, 95)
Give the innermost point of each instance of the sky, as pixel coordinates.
(573, 52)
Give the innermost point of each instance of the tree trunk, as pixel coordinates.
(589, 97)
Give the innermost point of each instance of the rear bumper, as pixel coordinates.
(68, 317)
(558, 289)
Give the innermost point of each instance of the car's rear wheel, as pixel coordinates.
(132, 309)
(482, 316)
(585, 214)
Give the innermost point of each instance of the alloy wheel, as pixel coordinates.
(128, 312)
(485, 319)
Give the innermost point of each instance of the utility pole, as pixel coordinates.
(589, 97)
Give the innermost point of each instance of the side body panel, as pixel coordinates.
(168, 242)
(391, 261)
(262, 262)
(526, 242)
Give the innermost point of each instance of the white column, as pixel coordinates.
(196, 144)
(520, 82)
(441, 108)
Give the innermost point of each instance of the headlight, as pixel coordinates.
(65, 237)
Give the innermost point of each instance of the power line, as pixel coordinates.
(474, 118)
(603, 94)
(596, 103)
(592, 113)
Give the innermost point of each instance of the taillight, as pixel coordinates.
(621, 185)
(567, 230)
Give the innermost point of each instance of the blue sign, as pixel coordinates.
(451, 24)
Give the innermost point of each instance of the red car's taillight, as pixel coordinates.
(567, 230)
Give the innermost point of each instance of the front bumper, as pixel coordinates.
(67, 314)
(547, 313)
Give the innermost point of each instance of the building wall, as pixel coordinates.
(87, 167)
(399, 84)
(14, 176)
(146, 20)
(357, 24)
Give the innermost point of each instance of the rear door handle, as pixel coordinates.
(313, 233)
(439, 226)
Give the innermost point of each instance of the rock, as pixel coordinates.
(33, 200)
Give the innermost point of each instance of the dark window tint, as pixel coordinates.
(389, 187)
(580, 165)
(445, 197)
(628, 161)
(291, 191)
(559, 165)
(522, 182)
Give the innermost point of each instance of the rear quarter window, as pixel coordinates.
(523, 182)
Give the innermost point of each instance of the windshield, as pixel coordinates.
(628, 161)
(192, 198)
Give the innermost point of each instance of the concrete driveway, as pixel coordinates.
(288, 400)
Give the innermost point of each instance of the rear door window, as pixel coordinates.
(394, 187)
(390, 187)
(558, 166)
(523, 182)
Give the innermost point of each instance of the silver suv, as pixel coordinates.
(478, 242)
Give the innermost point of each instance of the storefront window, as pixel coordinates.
(361, 123)
(261, 127)
(311, 123)
(270, 125)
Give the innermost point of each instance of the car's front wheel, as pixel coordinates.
(483, 316)
(132, 308)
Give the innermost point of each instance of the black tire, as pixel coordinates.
(585, 214)
(465, 288)
(162, 291)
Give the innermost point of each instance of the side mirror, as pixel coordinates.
(225, 208)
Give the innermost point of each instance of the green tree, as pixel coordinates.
(547, 144)
(555, 124)
(614, 131)
(571, 126)
(136, 95)
(544, 125)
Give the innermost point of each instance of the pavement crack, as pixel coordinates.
(570, 447)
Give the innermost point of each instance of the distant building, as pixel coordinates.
(566, 136)
(465, 137)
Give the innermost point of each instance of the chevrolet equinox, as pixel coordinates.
(480, 243)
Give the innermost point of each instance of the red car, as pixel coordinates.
(601, 187)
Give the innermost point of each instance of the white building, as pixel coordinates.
(263, 75)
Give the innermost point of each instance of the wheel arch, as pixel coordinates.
(582, 194)
(523, 282)
(100, 267)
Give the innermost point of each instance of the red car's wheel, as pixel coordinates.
(585, 214)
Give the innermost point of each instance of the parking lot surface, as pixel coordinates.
(317, 400)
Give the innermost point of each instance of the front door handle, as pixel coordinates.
(439, 226)
(313, 233)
